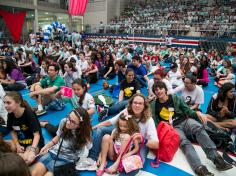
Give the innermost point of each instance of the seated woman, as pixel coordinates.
(175, 76)
(74, 136)
(28, 66)
(202, 74)
(138, 108)
(128, 87)
(80, 98)
(15, 80)
(24, 126)
(70, 74)
(222, 71)
(222, 107)
(91, 74)
(108, 71)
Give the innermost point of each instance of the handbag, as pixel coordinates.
(133, 162)
(67, 169)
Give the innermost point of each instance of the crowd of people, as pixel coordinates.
(176, 18)
(45, 69)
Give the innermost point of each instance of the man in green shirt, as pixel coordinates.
(44, 91)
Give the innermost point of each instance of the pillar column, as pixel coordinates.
(36, 22)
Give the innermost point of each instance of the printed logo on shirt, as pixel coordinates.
(24, 127)
(128, 91)
(26, 141)
(166, 114)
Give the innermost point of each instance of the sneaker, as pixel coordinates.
(203, 171)
(103, 114)
(86, 164)
(40, 112)
(221, 165)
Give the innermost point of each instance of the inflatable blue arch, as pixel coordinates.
(53, 26)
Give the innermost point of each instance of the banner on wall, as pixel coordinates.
(14, 23)
(77, 7)
(50, 28)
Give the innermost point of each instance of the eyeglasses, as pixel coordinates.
(138, 103)
(72, 121)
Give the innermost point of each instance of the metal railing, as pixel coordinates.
(17, 1)
(194, 29)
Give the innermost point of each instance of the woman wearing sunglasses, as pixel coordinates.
(75, 131)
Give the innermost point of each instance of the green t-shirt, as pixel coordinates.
(48, 82)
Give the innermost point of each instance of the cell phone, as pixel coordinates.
(66, 91)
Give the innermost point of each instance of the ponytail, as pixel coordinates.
(84, 86)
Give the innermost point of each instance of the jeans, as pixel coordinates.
(119, 106)
(191, 127)
(97, 139)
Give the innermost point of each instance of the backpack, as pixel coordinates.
(103, 100)
(168, 143)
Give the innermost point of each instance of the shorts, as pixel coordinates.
(48, 161)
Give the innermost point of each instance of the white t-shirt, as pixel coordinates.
(167, 83)
(3, 111)
(83, 65)
(173, 78)
(192, 97)
(147, 129)
(88, 101)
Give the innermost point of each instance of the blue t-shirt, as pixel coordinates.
(139, 71)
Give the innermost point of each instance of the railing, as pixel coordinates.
(195, 29)
(17, 1)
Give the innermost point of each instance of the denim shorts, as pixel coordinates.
(48, 161)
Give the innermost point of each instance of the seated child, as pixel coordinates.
(113, 145)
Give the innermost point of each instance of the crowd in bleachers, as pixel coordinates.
(60, 72)
(177, 17)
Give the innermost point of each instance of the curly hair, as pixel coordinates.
(131, 123)
(82, 135)
(146, 114)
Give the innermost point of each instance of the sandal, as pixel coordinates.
(100, 172)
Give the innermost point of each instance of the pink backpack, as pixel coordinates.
(168, 143)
